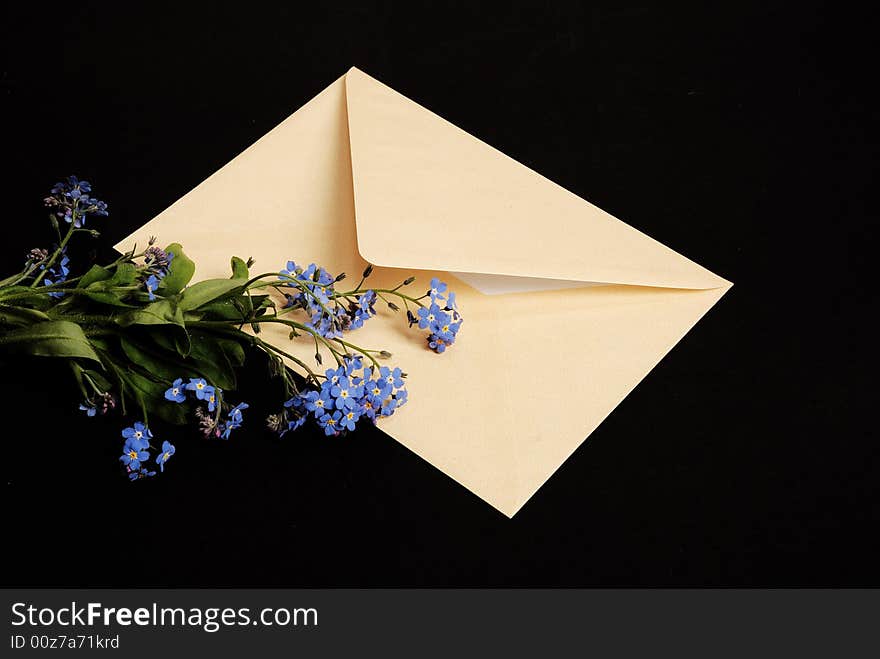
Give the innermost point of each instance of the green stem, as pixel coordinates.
(60, 249)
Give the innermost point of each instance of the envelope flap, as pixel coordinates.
(430, 196)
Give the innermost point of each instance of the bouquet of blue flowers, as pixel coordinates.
(140, 337)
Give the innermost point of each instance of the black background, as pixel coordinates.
(740, 136)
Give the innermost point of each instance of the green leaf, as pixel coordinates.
(10, 315)
(209, 359)
(125, 274)
(160, 312)
(95, 274)
(100, 284)
(34, 297)
(150, 394)
(208, 291)
(51, 338)
(221, 310)
(180, 272)
(105, 293)
(239, 269)
(233, 350)
(162, 364)
(170, 339)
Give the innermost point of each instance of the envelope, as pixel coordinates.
(565, 307)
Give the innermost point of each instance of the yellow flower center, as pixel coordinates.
(138, 434)
(199, 385)
(133, 455)
(165, 457)
(343, 393)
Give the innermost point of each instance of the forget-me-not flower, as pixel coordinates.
(176, 392)
(167, 452)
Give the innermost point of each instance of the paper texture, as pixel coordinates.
(362, 173)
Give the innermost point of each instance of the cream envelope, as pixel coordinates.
(565, 307)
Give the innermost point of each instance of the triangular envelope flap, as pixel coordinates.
(429, 195)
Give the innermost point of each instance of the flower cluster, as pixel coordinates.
(156, 263)
(347, 394)
(71, 202)
(106, 330)
(57, 274)
(441, 318)
(332, 312)
(210, 422)
(135, 455)
(316, 296)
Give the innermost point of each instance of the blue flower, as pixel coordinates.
(133, 454)
(428, 315)
(437, 344)
(167, 452)
(379, 387)
(346, 394)
(350, 418)
(437, 288)
(333, 374)
(353, 364)
(176, 393)
(202, 389)
(392, 378)
(73, 202)
(134, 475)
(388, 406)
(88, 409)
(295, 424)
(363, 310)
(297, 405)
(235, 413)
(444, 328)
(233, 420)
(211, 398)
(331, 422)
(452, 306)
(157, 260)
(57, 274)
(318, 401)
(152, 284)
(401, 397)
(290, 271)
(139, 434)
(327, 325)
(317, 282)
